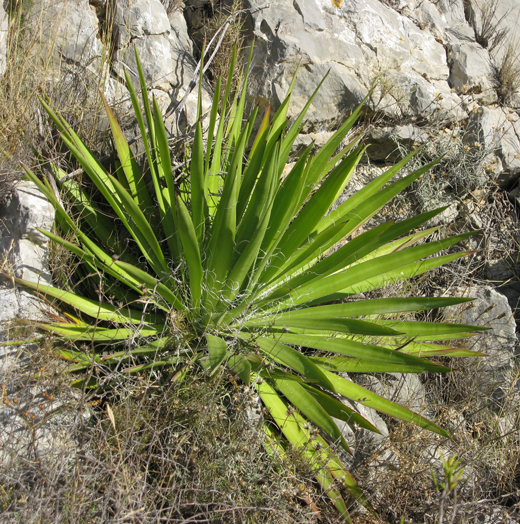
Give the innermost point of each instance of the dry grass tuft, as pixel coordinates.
(172, 5)
(25, 135)
(488, 32)
(507, 74)
(204, 27)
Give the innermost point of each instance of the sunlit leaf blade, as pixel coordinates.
(310, 215)
(163, 163)
(415, 328)
(191, 251)
(217, 160)
(241, 367)
(153, 155)
(369, 269)
(342, 475)
(337, 325)
(365, 194)
(291, 358)
(364, 396)
(355, 349)
(338, 410)
(345, 255)
(424, 349)
(211, 132)
(223, 233)
(388, 278)
(331, 467)
(143, 232)
(374, 242)
(130, 167)
(157, 348)
(262, 167)
(98, 310)
(282, 415)
(324, 477)
(291, 425)
(299, 397)
(360, 308)
(217, 352)
(359, 365)
(197, 182)
(100, 334)
(262, 128)
(321, 160)
(284, 207)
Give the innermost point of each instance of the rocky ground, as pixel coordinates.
(442, 74)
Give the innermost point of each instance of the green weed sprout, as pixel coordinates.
(233, 267)
(452, 476)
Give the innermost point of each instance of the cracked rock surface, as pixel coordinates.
(23, 249)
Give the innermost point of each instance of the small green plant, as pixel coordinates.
(231, 264)
(452, 476)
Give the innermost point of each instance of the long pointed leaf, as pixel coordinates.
(364, 396)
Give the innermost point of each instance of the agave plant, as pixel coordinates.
(232, 263)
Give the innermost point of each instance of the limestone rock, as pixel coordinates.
(491, 309)
(145, 25)
(357, 43)
(23, 249)
(512, 293)
(75, 34)
(166, 54)
(471, 70)
(180, 39)
(386, 143)
(69, 29)
(497, 130)
(500, 15)
(404, 389)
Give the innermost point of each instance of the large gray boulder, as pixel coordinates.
(144, 24)
(492, 376)
(166, 54)
(471, 70)
(96, 40)
(497, 131)
(68, 30)
(23, 249)
(358, 42)
(405, 389)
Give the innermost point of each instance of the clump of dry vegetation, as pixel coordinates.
(507, 74)
(158, 449)
(486, 23)
(32, 70)
(222, 20)
(487, 447)
(172, 5)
